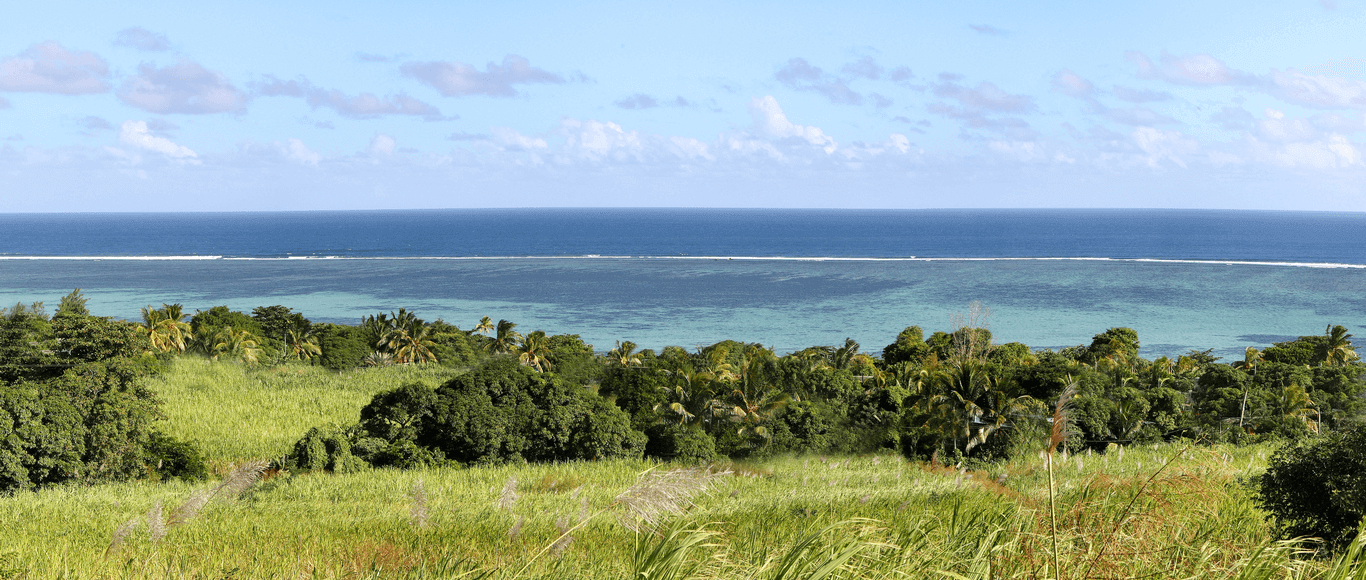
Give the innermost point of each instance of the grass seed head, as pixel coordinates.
(507, 499)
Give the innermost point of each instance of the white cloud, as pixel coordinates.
(900, 142)
(1318, 90)
(457, 79)
(295, 150)
(49, 67)
(184, 87)
(361, 106)
(511, 140)
(382, 144)
(1071, 84)
(1158, 145)
(1194, 69)
(1334, 152)
(770, 121)
(136, 134)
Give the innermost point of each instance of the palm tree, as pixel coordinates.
(971, 404)
(485, 326)
(1251, 357)
(531, 350)
(624, 355)
(691, 397)
(233, 343)
(302, 343)
(165, 327)
(843, 356)
(504, 339)
(407, 340)
(1338, 348)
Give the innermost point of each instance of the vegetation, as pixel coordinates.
(401, 447)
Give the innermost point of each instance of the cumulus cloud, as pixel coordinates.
(382, 144)
(1158, 145)
(296, 151)
(142, 39)
(901, 74)
(361, 106)
(770, 121)
(136, 134)
(1333, 152)
(512, 140)
(49, 67)
(1193, 70)
(1318, 90)
(184, 87)
(800, 75)
(986, 97)
(1071, 84)
(457, 79)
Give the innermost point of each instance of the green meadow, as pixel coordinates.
(1163, 510)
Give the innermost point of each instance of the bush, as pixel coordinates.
(498, 412)
(682, 443)
(173, 457)
(325, 449)
(1317, 487)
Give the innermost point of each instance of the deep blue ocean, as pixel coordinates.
(787, 278)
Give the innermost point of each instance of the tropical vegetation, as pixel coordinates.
(1034, 448)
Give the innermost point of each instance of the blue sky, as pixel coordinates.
(164, 106)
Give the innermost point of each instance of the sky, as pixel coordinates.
(249, 105)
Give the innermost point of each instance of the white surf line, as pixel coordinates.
(712, 258)
(99, 258)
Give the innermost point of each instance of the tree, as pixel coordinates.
(73, 304)
(1337, 347)
(909, 347)
(485, 326)
(531, 350)
(624, 355)
(165, 328)
(302, 343)
(504, 338)
(408, 339)
(236, 344)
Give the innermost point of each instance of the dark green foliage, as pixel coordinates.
(1116, 344)
(909, 347)
(1317, 487)
(206, 324)
(342, 346)
(498, 412)
(171, 457)
(325, 449)
(72, 304)
(682, 443)
(451, 345)
(638, 391)
(277, 321)
(1303, 351)
(1010, 354)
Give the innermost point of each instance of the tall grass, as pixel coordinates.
(235, 412)
(1163, 511)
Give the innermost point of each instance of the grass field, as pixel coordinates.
(1166, 512)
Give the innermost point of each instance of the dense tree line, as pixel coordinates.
(73, 403)
(533, 396)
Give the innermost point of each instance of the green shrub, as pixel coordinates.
(1317, 487)
(171, 457)
(682, 443)
(325, 449)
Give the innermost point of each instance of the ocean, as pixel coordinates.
(1184, 279)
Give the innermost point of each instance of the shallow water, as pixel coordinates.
(787, 304)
